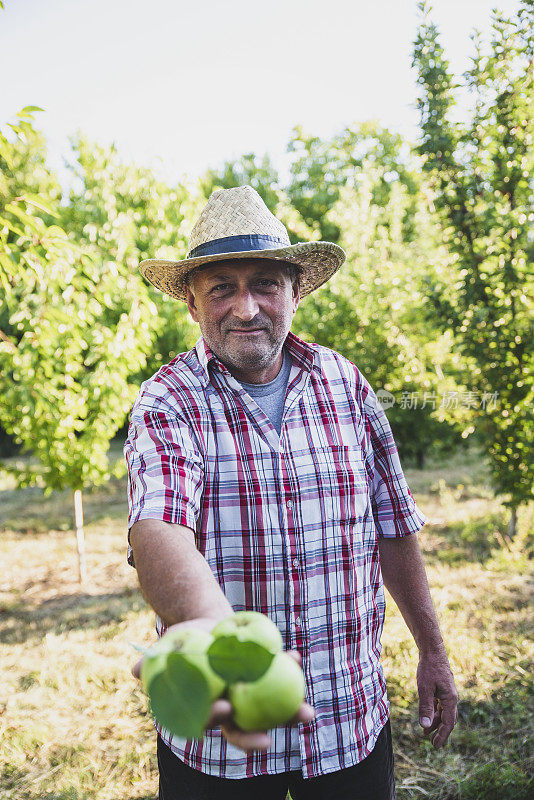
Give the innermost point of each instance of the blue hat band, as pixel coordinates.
(238, 244)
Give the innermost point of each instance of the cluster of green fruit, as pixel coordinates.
(241, 659)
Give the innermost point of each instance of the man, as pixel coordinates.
(263, 475)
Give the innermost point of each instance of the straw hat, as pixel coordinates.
(236, 223)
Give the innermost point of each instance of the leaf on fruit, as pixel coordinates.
(179, 698)
(235, 660)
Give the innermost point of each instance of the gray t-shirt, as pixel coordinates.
(270, 396)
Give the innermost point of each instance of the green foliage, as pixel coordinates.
(67, 344)
(496, 781)
(372, 310)
(432, 300)
(123, 214)
(236, 660)
(248, 170)
(479, 176)
(321, 167)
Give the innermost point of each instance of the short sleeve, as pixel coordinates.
(165, 469)
(394, 509)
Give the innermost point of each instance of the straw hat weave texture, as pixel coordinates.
(232, 213)
(235, 224)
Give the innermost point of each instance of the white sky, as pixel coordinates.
(182, 86)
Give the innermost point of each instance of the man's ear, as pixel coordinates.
(190, 298)
(296, 294)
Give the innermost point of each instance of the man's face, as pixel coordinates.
(245, 308)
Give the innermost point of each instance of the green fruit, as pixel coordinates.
(192, 643)
(151, 668)
(244, 646)
(178, 692)
(271, 700)
(180, 684)
(250, 626)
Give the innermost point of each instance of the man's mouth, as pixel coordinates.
(255, 330)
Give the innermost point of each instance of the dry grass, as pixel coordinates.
(74, 723)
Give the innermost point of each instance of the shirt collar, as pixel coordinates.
(304, 356)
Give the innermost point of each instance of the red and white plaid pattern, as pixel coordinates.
(288, 525)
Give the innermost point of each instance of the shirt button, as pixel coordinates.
(289, 504)
(295, 562)
(297, 622)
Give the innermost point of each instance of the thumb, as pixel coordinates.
(426, 710)
(221, 713)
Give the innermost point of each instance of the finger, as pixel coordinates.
(427, 708)
(448, 718)
(305, 713)
(440, 736)
(435, 719)
(428, 732)
(246, 740)
(296, 655)
(136, 669)
(221, 713)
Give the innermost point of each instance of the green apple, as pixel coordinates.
(192, 643)
(271, 700)
(244, 645)
(250, 626)
(152, 667)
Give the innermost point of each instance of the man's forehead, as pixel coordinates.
(224, 269)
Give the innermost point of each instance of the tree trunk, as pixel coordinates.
(420, 455)
(80, 538)
(512, 523)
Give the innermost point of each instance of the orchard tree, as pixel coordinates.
(74, 330)
(321, 168)
(123, 213)
(250, 170)
(29, 174)
(362, 188)
(371, 312)
(480, 175)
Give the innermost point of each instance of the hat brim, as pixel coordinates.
(318, 262)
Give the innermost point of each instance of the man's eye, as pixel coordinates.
(220, 286)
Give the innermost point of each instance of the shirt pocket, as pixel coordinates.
(338, 540)
(334, 497)
(342, 477)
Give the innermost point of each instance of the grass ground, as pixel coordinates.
(74, 723)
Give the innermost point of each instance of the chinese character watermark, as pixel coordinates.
(451, 399)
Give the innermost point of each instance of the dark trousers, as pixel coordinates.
(371, 779)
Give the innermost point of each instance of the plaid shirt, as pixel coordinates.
(289, 527)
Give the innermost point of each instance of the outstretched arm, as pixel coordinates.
(405, 578)
(174, 577)
(178, 583)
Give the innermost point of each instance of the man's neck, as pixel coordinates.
(261, 376)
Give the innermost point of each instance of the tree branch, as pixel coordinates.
(8, 341)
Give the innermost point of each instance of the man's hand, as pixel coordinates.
(438, 698)
(221, 709)
(405, 578)
(222, 716)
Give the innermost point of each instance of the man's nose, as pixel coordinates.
(245, 305)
